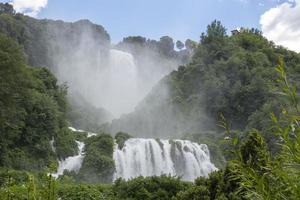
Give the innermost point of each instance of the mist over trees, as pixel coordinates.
(231, 75)
(75, 51)
(51, 44)
(159, 51)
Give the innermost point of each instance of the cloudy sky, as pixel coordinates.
(278, 19)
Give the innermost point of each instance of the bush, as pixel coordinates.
(98, 164)
(163, 188)
(121, 138)
(65, 143)
(80, 192)
(195, 193)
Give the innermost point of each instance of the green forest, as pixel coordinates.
(237, 93)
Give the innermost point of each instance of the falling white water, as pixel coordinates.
(52, 145)
(72, 163)
(112, 85)
(119, 91)
(150, 157)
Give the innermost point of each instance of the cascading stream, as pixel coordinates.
(150, 157)
(72, 163)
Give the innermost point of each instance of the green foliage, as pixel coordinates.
(30, 188)
(81, 191)
(179, 44)
(232, 75)
(260, 176)
(65, 145)
(190, 44)
(163, 188)
(41, 42)
(136, 44)
(8, 175)
(254, 151)
(98, 164)
(166, 46)
(85, 116)
(35, 35)
(213, 42)
(6, 8)
(121, 138)
(161, 52)
(32, 112)
(195, 193)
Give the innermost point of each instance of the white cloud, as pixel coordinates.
(29, 7)
(282, 24)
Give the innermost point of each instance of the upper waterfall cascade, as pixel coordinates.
(112, 85)
(120, 89)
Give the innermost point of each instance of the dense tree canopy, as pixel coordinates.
(33, 111)
(231, 74)
(98, 164)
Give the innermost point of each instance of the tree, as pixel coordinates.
(213, 43)
(121, 138)
(139, 40)
(98, 164)
(33, 111)
(215, 32)
(190, 44)
(179, 45)
(6, 8)
(166, 45)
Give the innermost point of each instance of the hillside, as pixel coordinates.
(229, 75)
(33, 112)
(70, 50)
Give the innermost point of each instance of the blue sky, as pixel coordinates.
(180, 19)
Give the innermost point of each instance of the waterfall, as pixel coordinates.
(111, 85)
(72, 163)
(52, 145)
(119, 92)
(150, 157)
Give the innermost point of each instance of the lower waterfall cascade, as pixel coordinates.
(151, 157)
